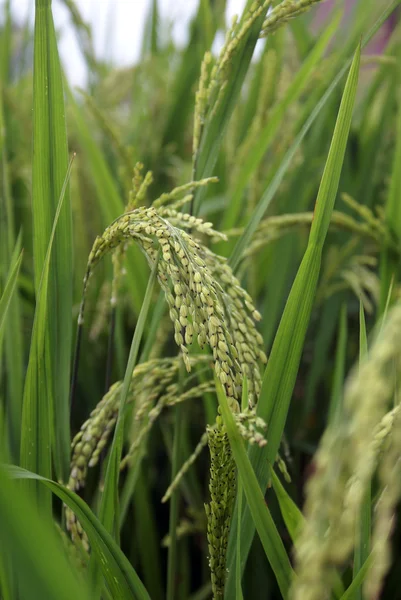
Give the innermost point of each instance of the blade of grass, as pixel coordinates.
(14, 358)
(50, 162)
(109, 506)
(282, 368)
(37, 553)
(38, 409)
(266, 528)
(150, 41)
(132, 476)
(290, 512)
(357, 581)
(121, 577)
(7, 295)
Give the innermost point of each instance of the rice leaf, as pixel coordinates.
(119, 574)
(282, 368)
(7, 295)
(38, 410)
(50, 162)
(290, 512)
(9, 246)
(35, 549)
(354, 588)
(261, 516)
(109, 506)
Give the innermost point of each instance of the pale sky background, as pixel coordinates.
(123, 18)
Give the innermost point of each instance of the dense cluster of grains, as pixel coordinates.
(151, 381)
(286, 10)
(250, 427)
(205, 299)
(248, 423)
(148, 380)
(345, 462)
(222, 487)
(388, 439)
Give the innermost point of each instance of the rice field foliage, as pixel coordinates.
(200, 307)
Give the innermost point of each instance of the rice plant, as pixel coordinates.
(200, 308)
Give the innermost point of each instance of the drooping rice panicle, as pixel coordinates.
(205, 299)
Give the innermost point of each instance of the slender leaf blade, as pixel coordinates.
(121, 577)
(270, 538)
(6, 297)
(36, 552)
(50, 162)
(282, 368)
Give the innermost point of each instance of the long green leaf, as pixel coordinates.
(6, 297)
(37, 413)
(50, 162)
(261, 516)
(358, 580)
(119, 574)
(109, 507)
(282, 368)
(37, 553)
(290, 512)
(14, 358)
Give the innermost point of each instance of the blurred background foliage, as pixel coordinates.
(144, 113)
